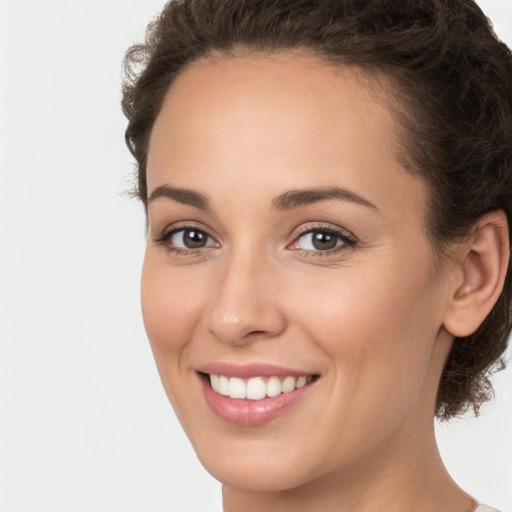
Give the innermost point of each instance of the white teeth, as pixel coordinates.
(301, 382)
(288, 384)
(256, 388)
(274, 386)
(223, 386)
(236, 388)
(214, 379)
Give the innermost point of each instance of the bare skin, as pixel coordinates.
(372, 318)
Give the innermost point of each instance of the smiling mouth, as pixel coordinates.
(256, 388)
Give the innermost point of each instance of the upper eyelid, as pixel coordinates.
(182, 225)
(327, 226)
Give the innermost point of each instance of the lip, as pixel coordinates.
(246, 371)
(246, 412)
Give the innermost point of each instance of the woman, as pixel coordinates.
(328, 191)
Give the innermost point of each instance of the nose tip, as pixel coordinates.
(244, 309)
(236, 329)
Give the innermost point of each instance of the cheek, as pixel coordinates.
(171, 311)
(378, 328)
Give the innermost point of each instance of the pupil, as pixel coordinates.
(323, 240)
(194, 239)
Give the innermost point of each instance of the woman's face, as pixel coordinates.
(287, 255)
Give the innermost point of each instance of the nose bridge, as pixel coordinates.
(243, 305)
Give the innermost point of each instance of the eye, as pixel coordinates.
(185, 240)
(325, 240)
(190, 239)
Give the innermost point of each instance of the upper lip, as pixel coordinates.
(245, 371)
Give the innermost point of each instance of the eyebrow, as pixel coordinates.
(297, 198)
(181, 195)
(287, 201)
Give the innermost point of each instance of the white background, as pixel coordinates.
(84, 423)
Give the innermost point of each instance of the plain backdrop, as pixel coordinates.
(84, 423)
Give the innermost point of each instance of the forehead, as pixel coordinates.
(295, 94)
(254, 117)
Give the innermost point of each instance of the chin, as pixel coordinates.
(262, 474)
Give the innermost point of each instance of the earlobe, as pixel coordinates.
(483, 260)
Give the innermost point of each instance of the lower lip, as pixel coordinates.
(249, 413)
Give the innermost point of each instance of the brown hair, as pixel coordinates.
(452, 78)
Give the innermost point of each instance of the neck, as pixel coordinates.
(402, 476)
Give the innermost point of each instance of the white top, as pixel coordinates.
(485, 508)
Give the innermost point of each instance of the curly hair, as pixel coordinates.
(451, 80)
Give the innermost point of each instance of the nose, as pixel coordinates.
(245, 304)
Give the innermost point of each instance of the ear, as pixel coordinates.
(483, 263)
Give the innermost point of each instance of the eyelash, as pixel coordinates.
(348, 240)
